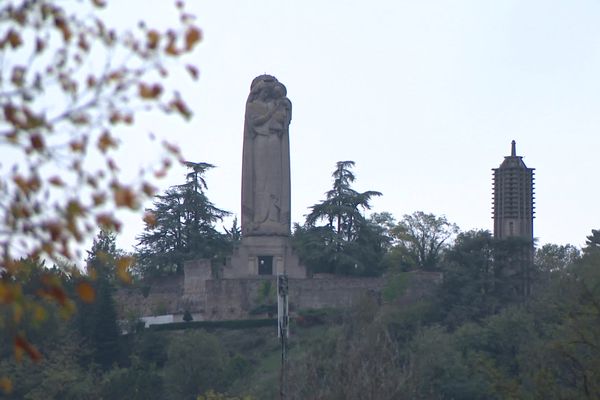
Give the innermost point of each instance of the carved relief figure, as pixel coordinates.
(266, 159)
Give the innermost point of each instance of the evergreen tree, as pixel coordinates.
(183, 227)
(348, 243)
(592, 243)
(342, 207)
(97, 320)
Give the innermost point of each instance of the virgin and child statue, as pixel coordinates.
(266, 160)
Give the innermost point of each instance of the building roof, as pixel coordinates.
(513, 161)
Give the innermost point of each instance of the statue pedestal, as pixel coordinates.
(266, 256)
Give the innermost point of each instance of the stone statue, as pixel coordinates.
(266, 160)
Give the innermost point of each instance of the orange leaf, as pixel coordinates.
(150, 219)
(150, 91)
(181, 107)
(64, 28)
(80, 119)
(54, 228)
(57, 293)
(153, 39)
(77, 146)
(37, 142)
(148, 189)
(171, 48)
(74, 209)
(39, 314)
(86, 292)
(106, 141)
(6, 385)
(192, 36)
(99, 198)
(18, 76)
(82, 43)
(193, 71)
(17, 312)
(112, 165)
(125, 197)
(40, 45)
(9, 293)
(123, 264)
(171, 148)
(14, 39)
(91, 81)
(56, 181)
(22, 346)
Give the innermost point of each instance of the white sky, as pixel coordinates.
(425, 96)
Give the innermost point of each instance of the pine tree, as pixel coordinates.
(183, 227)
(348, 243)
(97, 320)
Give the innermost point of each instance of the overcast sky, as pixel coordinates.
(425, 96)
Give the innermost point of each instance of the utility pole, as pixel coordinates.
(283, 330)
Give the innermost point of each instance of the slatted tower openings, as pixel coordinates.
(513, 217)
(513, 199)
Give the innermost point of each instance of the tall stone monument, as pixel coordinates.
(266, 160)
(265, 247)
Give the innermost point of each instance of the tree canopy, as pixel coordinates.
(181, 227)
(419, 239)
(71, 87)
(348, 243)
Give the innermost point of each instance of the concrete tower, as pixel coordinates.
(513, 198)
(513, 220)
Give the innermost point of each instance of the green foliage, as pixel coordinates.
(59, 375)
(471, 282)
(138, 382)
(266, 292)
(196, 363)
(482, 276)
(234, 234)
(150, 347)
(187, 316)
(355, 361)
(348, 243)
(553, 258)
(438, 369)
(181, 227)
(71, 86)
(341, 209)
(212, 395)
(592, 243)
(310, 317)
(420, 239)
(396, 286)
(97, 319)
(402, 323)
(237, 367)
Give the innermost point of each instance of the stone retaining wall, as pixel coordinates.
(226, 299)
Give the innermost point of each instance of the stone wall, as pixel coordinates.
(226, 299)
(159, 298)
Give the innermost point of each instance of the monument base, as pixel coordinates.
(265, 256)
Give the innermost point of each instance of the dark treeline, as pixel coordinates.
(479, 335)
(476, 338)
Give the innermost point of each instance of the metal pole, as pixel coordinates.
(282, 330)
